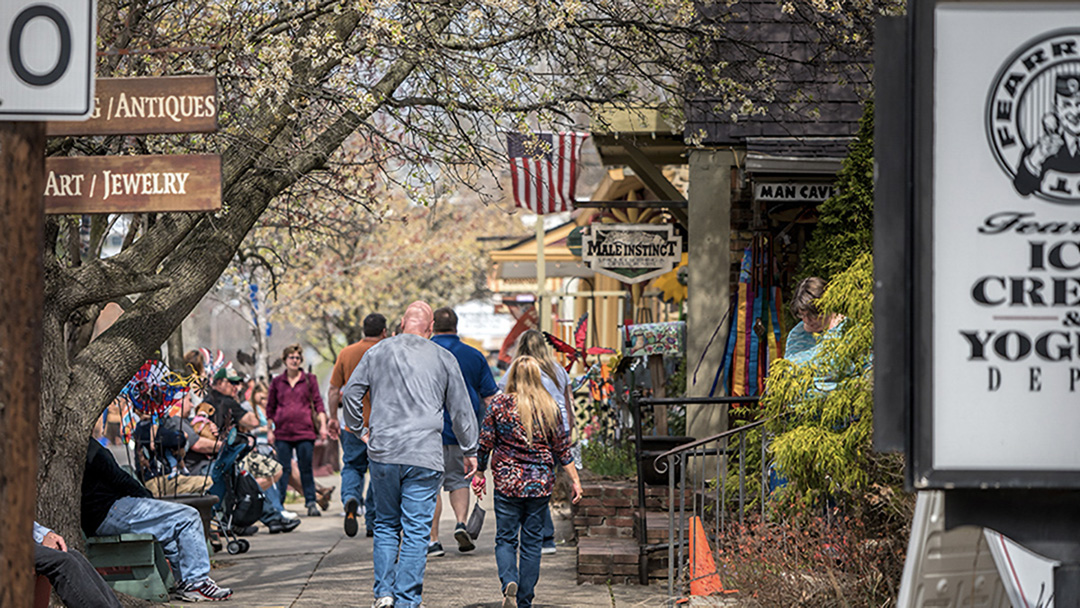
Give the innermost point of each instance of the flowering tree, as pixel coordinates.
(421, 88)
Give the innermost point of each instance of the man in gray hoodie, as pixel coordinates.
(411, 381)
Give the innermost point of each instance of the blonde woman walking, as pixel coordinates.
(557, 383)
(525, 440)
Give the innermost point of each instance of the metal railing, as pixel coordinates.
(708, 493)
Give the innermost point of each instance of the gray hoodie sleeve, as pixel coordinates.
(459, 405)
(352, 395)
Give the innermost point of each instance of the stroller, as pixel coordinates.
(240, 499)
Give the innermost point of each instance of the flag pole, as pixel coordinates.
(542, 306)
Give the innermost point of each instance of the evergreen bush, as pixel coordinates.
(845, 227)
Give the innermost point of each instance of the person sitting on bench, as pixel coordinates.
(74, 579)
(114, 502)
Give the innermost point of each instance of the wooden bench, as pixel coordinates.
(133, 564)
(42, 591)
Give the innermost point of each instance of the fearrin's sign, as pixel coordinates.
(1005, 242)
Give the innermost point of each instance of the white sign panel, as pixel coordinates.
(631, 253)
(1006, 216)
(47, 50)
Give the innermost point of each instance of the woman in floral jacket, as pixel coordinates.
(524, 439)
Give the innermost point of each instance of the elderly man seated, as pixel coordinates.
(74, 579)
(114, 502)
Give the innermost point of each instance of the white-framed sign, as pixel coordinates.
(1005, 216)
(631, 253)
(47, 53)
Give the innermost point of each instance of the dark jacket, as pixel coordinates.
(104, 482)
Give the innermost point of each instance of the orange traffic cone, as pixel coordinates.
(703, 577)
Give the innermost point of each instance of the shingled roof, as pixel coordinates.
(813, 106)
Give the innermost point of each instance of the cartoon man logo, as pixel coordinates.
(1058, 148)
(1033, 117)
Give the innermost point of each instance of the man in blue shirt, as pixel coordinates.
(481, 387)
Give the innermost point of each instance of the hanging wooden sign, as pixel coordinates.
(140, 106)
(132, 184)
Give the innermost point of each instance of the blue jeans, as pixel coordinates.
(304, 451)
(405, 505)
(548, 532)
(177, 527)
(354, 464)
(272, 506)
(519, 518)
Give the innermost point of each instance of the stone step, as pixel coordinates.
(600, 560)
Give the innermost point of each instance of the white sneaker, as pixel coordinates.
(205, 590)
(547, 550)
(383, 602)
(289, 514)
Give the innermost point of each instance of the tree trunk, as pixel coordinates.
(176, 348)
(22, 182)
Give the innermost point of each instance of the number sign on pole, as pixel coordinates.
(47, 59)
(132, 184)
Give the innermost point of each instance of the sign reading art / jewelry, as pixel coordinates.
(130, 184)
(1006, 239)
(631, 253)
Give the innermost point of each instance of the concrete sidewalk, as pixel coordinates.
(317, 565)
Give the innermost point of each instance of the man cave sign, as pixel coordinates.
(1033, 117)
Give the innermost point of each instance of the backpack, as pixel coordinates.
(244, 500)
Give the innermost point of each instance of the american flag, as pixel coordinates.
(543, 169)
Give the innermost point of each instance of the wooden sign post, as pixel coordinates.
(22, 163)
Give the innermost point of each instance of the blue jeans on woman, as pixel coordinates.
(404, 507)
(177, 527)
(519, 520)
(304, 451)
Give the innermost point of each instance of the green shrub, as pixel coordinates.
(845, 228)
(609, 460)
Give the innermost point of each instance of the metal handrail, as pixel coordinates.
(687, 446)
(636, 403)
(691, 452)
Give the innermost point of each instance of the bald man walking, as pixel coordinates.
(411, 381)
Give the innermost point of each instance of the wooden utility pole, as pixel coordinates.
(22, 182)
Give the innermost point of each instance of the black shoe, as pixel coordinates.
(245, 531)
(464, 543)
(370, 533)
(351, 526)
(278, 526)
(435, 550)
(313, 510)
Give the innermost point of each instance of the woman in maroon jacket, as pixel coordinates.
(293, 394)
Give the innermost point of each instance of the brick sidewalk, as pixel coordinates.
(317, 565)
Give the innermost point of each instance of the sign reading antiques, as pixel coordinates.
(631, 253)
(129, 184)
(138, 106)
(1005, 380)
